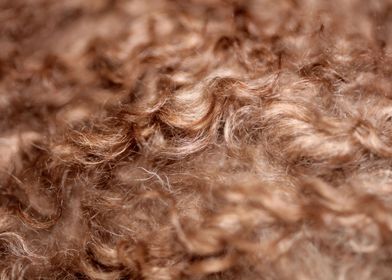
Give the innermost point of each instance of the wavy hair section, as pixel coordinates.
(203, 139)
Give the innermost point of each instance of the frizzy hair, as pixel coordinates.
(202, 139)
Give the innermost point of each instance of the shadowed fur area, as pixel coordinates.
(196, 139)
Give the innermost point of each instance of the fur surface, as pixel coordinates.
(198, 139)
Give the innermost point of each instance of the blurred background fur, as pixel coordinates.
(200, 139)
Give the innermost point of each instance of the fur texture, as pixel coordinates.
(198, 139)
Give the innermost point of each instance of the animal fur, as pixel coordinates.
(196, 139)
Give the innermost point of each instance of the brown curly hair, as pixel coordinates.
(198, 139)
